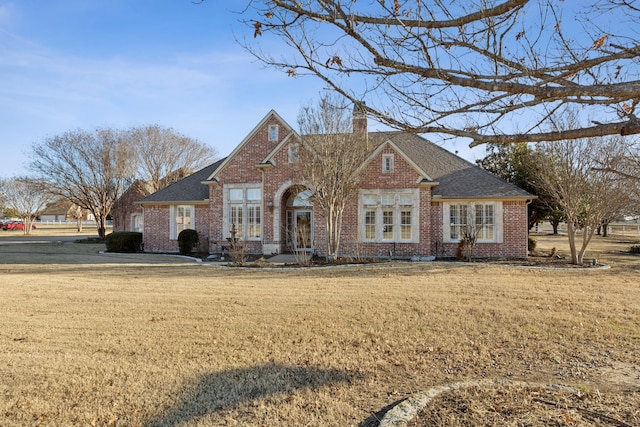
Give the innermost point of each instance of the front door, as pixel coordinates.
(299, 230)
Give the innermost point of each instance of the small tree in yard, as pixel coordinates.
(26, 198)
(587, 194)
(77, 213)
(330, 159)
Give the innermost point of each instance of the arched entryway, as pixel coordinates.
(298, 220)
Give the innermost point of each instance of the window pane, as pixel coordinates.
(388, 199)
(254, 194)
(235, 195)
(405, 200)
(253, 222)
(370, 199)
(273, 133)
(405, 225)
(458, 220)
(236, 222)
(370, 225)
(387, 223)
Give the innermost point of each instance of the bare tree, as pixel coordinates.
(25, 198)
(587, 194)
(165, 156)
(90, 169)
(77, 213)
(330, 159)
(492, 71)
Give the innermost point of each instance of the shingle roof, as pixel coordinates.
(189, 189)
(457, 177)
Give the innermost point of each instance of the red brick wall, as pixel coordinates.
(157, 227)
(514, 234)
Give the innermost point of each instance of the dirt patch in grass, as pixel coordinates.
(87, 340)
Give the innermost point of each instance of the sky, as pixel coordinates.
(83, 64)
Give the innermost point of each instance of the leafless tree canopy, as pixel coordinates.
(493, 71)
(90, 169)
(571, 172)
(25, 198)
(165, 156)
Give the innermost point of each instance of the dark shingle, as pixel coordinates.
(457, 177)
(189, 189)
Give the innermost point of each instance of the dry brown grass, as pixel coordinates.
(138, 341)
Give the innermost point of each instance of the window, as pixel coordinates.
(370, 224)
(293, 153)
(387, 163)
(485, 222)
(137, 222)
(182, 218)
(244, 212)
(405, 224)
(389, 215)
(482, 216)
(273, 132)
(253, 222)
(458, 220)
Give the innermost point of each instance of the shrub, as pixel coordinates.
(124, 241)
(635, 249)
(531, 244)
(187, 241)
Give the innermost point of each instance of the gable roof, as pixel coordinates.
(188, 189)
(456, 177)
(215, 172)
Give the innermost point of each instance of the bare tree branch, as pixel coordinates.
(468, 69)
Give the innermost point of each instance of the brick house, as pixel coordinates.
(414, 200)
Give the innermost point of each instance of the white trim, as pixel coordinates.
(391, 163)
(173, 226)
(498, 219)
(245, 213)
(273, 133)
(397, 209)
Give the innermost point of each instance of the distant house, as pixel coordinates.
(414, 201)
(62, 210)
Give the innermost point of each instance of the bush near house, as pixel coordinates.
(124, 241)
(187, 241)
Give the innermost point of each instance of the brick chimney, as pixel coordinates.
(360, 125)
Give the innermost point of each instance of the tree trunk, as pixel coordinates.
(102, 226)
(555, 225)
(571, 233)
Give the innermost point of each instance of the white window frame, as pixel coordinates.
(177, 219)
(243, 207)
(487, 233)
(293, 153)
(274, 131)
(137, 222)
(387, 163)
(381, 217)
